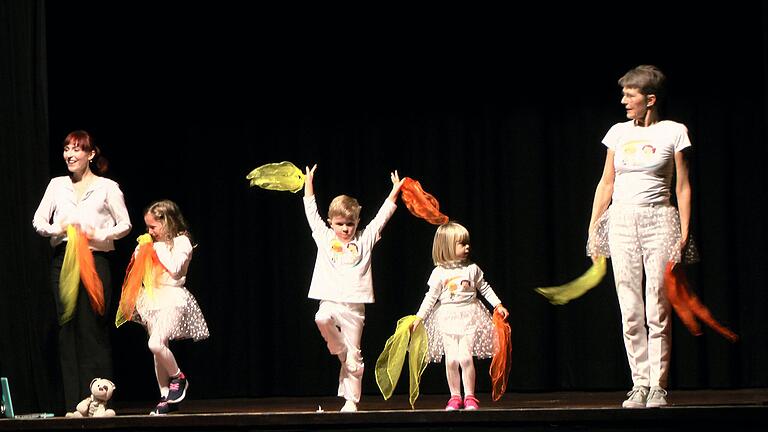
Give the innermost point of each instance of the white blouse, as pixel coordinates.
(101, 209)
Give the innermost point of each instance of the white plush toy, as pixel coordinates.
(96, 404)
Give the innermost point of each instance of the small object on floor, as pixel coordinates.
(95, 405)
(349, 406)
(319, 409)
(454, 403)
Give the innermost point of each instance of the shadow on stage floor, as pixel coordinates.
(740, 409)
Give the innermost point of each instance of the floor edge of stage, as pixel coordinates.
(745, 409)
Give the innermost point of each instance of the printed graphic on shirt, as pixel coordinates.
(341, 254)
(638, 153)
(457, 284)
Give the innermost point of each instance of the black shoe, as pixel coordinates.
(177, 389)
(163, 407)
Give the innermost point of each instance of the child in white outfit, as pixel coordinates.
(457, 323)
(169, 311)
(342, 279)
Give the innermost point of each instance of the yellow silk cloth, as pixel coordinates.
(502, 358)
(78, 266)
(280, 176)
(560, 295)
(688, 306)
(390, 362)
(142, 270)
(420, 203)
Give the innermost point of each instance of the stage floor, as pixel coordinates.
(740, 409)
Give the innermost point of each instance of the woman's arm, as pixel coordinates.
(604, 190)
(683, 192)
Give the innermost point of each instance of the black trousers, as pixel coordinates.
(85, 351)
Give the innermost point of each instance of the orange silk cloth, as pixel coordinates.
(420, 203)
(79, 266)
(501, 363)
(688, 306)
(142, 270)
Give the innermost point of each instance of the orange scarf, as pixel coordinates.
(79, 266)
(501, 363)
(420, 203)
(688, 306)
(143, 269)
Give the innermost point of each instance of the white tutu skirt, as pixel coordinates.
(665, 217)
(469, 319)
(172, 312)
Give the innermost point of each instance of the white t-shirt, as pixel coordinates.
(644, 160)
(343, 271)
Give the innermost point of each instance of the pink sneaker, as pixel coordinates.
(454, 403)
(471, 402)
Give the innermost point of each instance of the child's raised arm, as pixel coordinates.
(309, 188)
(397, 183)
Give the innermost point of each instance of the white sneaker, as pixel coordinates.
(349, 406)
(657, 397)
(636, 398)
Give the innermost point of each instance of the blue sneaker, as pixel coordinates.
(163, 407)
(177, 389)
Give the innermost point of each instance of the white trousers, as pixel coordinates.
(639, 237)
(341, 325)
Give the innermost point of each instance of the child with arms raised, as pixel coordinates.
(342, 279)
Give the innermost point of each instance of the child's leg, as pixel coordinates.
(329, 329)
(351, 319)
(351, 322)
(341, 325)
(467, 364)
(452, 363)
(165, 362)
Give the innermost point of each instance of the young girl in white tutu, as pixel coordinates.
(167, 309)
(457, 323)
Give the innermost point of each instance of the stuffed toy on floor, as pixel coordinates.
(96, 404)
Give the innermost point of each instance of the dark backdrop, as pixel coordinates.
(499, 113)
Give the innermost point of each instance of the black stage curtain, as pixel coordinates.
(500, 117)
(27, 313)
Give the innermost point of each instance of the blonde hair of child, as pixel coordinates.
(168, 212)
(444, 244)
(344, 206)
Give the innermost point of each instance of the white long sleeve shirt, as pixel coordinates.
(101, 209)
(456, 285)
(175, 259)
(343, 271)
